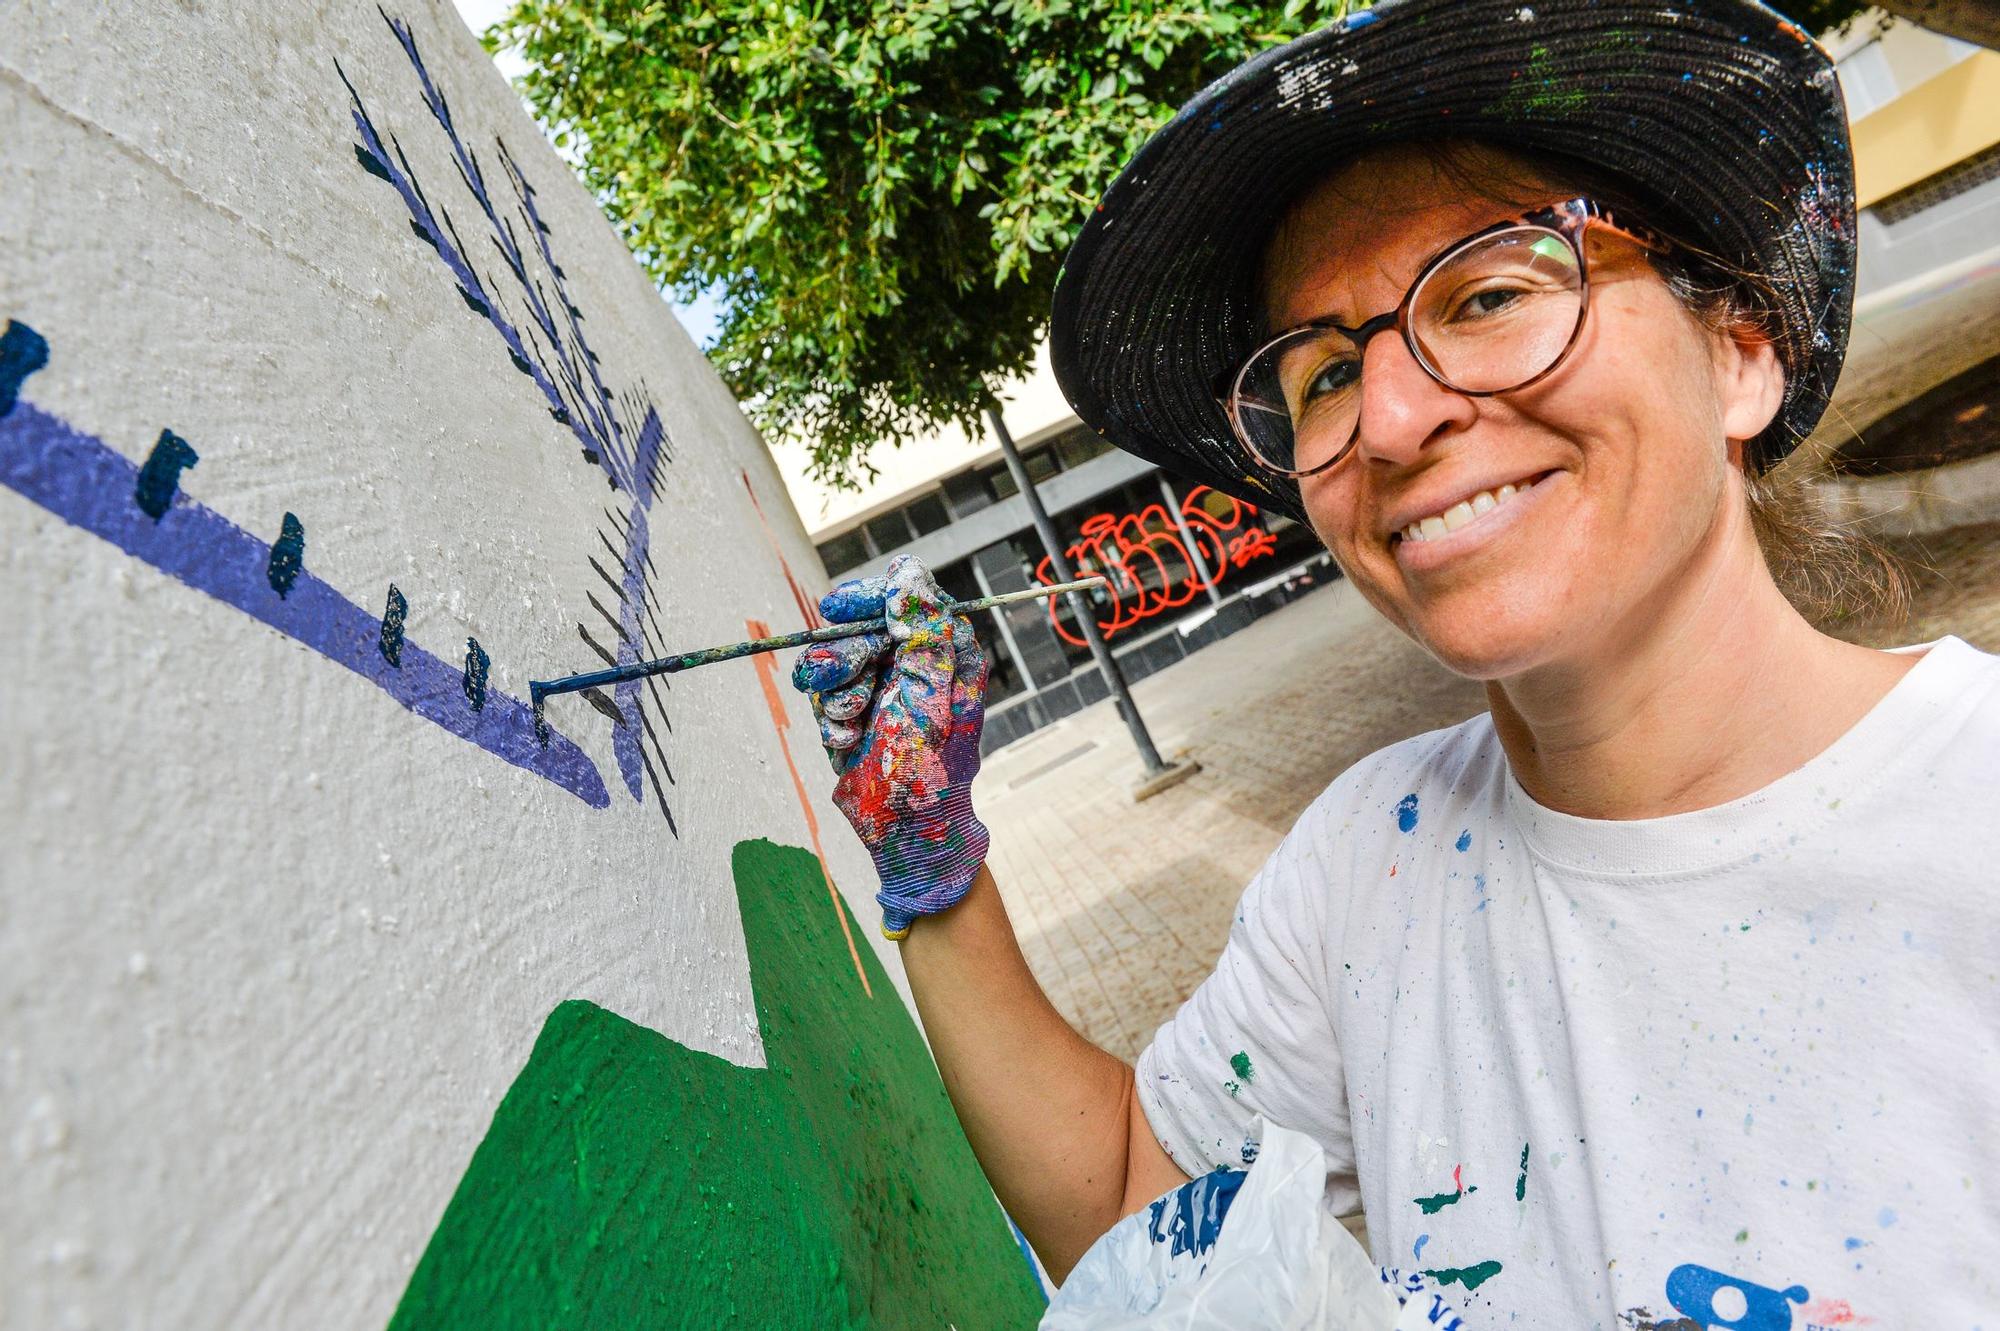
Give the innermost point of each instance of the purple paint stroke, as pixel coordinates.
(85, 482)
(587, 408)
(632, 582)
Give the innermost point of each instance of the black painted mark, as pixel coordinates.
(607, 657)
(609, 581)
(22, 352)
(474, 303)
(477, 662)
(609, 618)
(372, 164)
(391, 641)
(160, 477)
(596, 698)
(288, 555)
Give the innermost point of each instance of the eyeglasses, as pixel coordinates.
(1492, 313)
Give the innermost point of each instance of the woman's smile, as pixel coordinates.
(1466, 523)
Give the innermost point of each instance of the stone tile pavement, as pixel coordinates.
(1123, 908)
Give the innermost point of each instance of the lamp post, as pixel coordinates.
(1158, 775)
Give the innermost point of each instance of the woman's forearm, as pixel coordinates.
(1053, 1119)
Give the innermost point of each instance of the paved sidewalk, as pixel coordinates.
(1123, 908)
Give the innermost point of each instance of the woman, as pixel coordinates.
(1664, 990)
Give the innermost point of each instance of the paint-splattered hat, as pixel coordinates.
(1721, 113)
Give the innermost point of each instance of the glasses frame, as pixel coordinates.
(1571, 220)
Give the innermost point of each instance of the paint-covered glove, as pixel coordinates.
(900, 714)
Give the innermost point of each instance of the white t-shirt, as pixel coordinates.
(1740, 1065)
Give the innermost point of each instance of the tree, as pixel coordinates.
(1968, 20)
(880, 191)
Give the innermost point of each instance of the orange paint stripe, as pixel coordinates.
(767, 675)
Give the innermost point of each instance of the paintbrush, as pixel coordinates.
(539, 689)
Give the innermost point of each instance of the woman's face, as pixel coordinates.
(1621, 462)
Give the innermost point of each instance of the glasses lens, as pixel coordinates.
(1296, 402)
(1501, 310)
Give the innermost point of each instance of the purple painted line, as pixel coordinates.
(625, 739)
(84, 481)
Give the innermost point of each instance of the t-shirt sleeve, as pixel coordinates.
(1257, 1036)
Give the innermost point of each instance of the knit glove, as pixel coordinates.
(900, 714)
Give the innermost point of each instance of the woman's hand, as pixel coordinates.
(900, 714)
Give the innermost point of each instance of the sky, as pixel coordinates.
(703, 317)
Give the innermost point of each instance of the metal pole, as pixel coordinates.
(1187, 540)
(1086, 619)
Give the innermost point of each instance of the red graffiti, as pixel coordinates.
(1150, 566)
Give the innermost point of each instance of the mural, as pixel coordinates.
(624, 438)
(1158, 561)
(339, 991)
(629, 1182)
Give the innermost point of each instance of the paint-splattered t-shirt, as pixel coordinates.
(1738, 1067)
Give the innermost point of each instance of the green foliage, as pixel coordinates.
(881, 191)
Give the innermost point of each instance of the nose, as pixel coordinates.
(1402, 408)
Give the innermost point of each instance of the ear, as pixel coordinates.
(1750, 383)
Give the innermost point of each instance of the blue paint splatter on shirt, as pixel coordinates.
(1418, 1251)
(1406, 813)
(1465, 841)
(1189, 1218)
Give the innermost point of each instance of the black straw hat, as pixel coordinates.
(1721, 112)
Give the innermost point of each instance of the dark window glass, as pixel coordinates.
(1042, 464)
(888, 531)
(842, 553)
(1001, 482)
(1004, 680)
(967, 492)
(1079, 447)
(927, 515)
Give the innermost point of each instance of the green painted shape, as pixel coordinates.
(1521, 1183)
(1438, 1201)
(630, 1182)
(1240, 1063)
(1472, 1277)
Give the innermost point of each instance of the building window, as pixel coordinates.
(889, 531)
(928, 514)
(1003, 680)
(1080, 446)
(843, 552)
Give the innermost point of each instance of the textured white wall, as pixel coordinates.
(272, 946)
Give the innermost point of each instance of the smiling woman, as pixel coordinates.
(1519, 308)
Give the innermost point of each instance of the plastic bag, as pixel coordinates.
(1281, 1262)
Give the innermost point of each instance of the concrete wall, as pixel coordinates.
(331, 991)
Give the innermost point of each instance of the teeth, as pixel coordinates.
(1459, 514)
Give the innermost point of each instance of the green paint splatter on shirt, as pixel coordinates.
(1472, 1277)
(1432, 1205)
(1521, 1183)
(629, 1181)
(1240, 1063)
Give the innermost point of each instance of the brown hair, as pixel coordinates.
(1831, 573)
